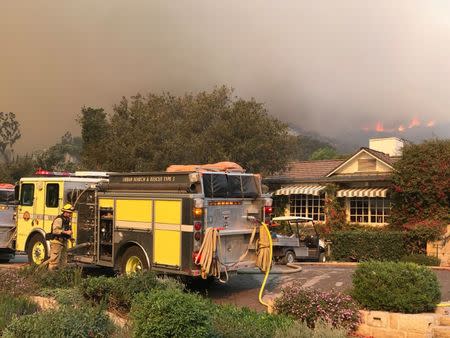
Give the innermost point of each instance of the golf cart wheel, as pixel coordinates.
(322, 257)
(289, 257)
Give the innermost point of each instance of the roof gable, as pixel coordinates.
(365, 160)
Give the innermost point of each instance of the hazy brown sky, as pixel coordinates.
(325, 65)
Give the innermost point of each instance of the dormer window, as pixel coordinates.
(367, 164)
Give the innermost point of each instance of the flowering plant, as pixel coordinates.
(310, 306)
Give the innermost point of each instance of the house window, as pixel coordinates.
(367, 164)
(307, 206)
(369, 210)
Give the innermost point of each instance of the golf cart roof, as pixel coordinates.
(292, 219)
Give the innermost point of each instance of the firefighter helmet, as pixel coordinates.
(67, 208)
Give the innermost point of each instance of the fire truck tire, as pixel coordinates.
(133, 261)
(289, 257)
(37, 250)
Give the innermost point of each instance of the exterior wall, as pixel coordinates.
(390, 145)
(441, 249)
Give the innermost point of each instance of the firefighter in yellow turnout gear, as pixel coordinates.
(60, 235)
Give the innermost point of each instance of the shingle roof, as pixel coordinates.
(309, 169)
(382, 156)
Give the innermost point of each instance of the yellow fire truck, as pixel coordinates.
(138, 221)
(40, 201)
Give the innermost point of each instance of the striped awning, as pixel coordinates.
(300, 189)
(370, 192)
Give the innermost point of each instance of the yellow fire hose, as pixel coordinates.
(264, 258)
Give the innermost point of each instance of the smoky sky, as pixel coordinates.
(326, 66)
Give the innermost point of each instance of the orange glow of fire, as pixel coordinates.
(401, 128)
(431, 123)
(379, 127)
(414, 123)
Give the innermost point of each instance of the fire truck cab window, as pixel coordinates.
(27, 194)
(52, 195)
(230, 186)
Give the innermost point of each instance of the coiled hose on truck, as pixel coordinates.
(209, 259)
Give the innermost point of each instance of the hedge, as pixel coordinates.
(396, 287)
(421, 259)
(362, 245)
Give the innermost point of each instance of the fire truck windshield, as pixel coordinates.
(6, 196)
(219, 185)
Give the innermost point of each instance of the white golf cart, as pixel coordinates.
(296, 238)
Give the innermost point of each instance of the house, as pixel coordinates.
(362, 183)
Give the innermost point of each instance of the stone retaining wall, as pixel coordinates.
(380, 324)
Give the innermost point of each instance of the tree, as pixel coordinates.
(421, 184)
(20, 166)
(94, 134)
(151, 132)
(9, 133)
(63, 156)
(326, 153)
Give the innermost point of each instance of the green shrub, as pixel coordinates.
(421, 259)
(233, 322)
(118, 292)
(311, 306)
(396, 287)
(363, 245)
(13, 306)
(171, 313)
(64, 322)
(69, 296)
(301, 330)
(43, 278)
(96, 289)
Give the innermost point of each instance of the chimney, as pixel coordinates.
(391, 146)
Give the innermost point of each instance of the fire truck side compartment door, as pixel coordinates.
(167, 233)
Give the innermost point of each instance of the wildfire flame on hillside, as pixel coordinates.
(415, 122)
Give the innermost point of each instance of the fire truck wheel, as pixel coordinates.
(133, 261)
(289, 257)
(37, 250)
